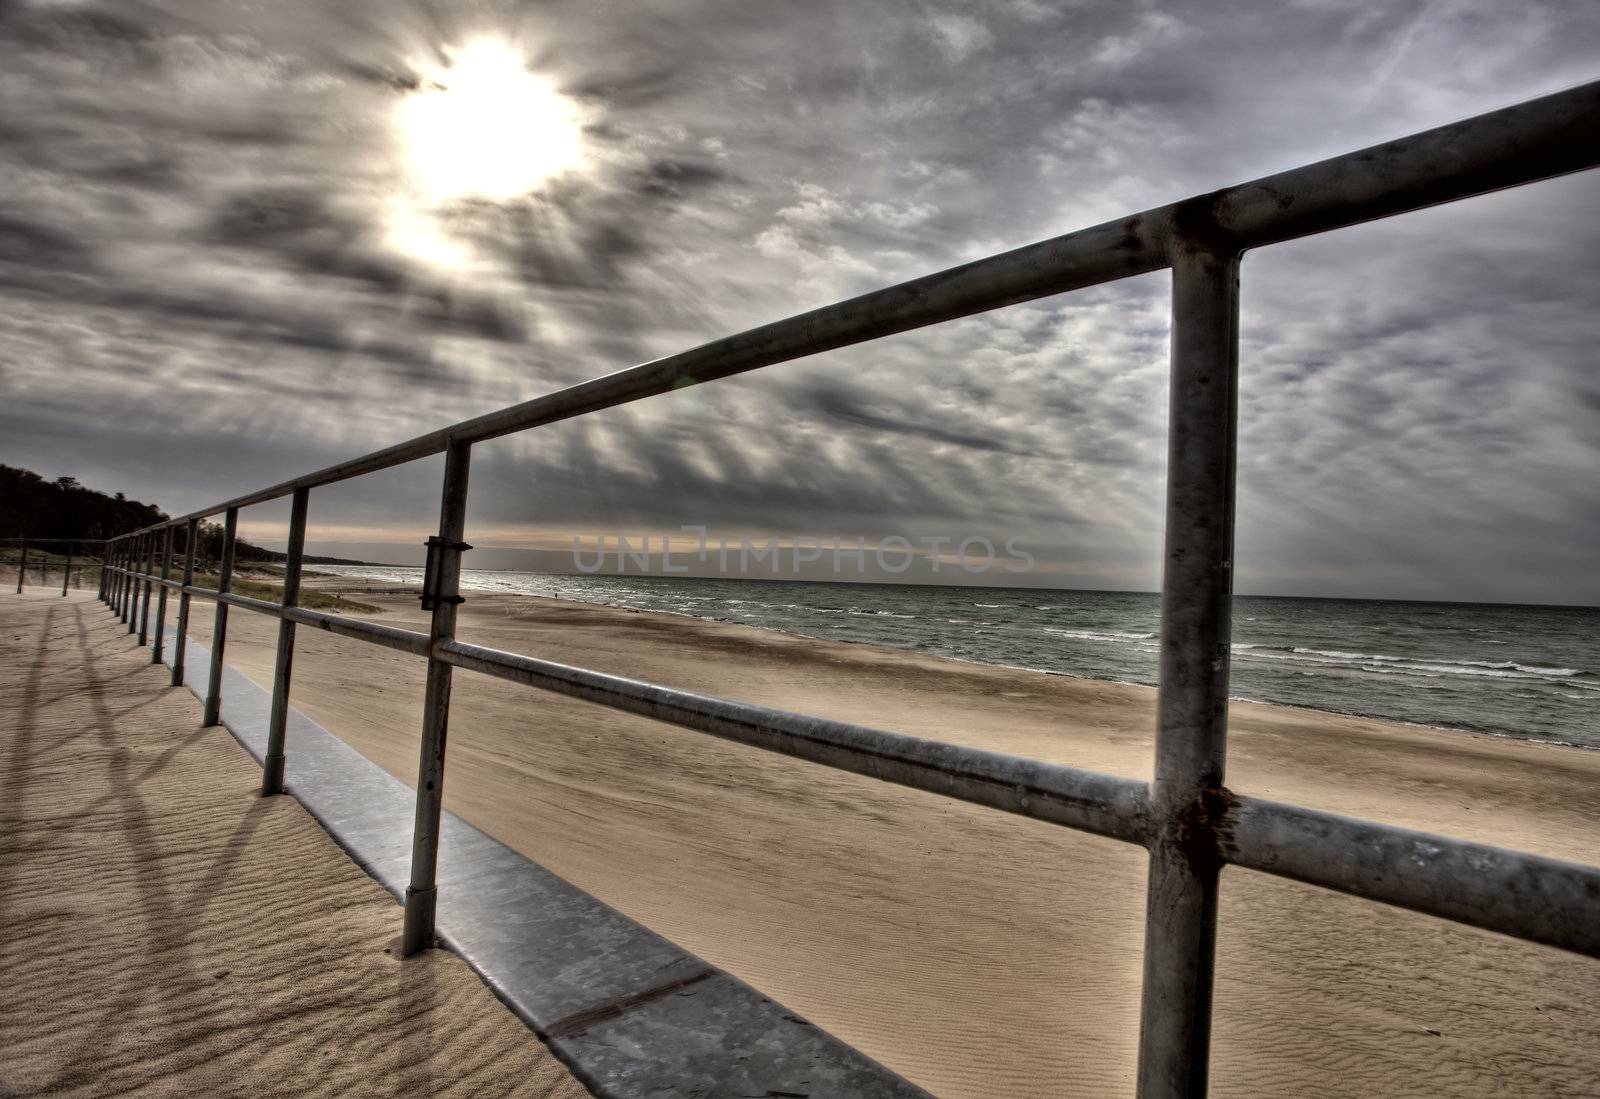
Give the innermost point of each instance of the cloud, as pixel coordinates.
(839, 403)
(1149, 32)
(208, 240)
(28, 246)
(959, 36)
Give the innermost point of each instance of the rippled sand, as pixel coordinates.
(165, 931)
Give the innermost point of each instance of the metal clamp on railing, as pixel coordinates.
(430, 573)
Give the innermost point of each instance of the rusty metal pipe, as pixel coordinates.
(219, 622)
(1103, 804)
(421, 895)
(180, 645)
(1192, 702)
(158, 647)
(283, 667)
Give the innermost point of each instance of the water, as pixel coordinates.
(1527, 672)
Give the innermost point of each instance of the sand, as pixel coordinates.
(165, 931)
(976, 953)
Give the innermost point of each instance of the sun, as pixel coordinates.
(483, 126)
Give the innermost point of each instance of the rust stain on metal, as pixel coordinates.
(1203, 828)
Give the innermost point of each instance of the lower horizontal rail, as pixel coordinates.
(406, 641)
(260, 606)
(1540, 899)
(1103, 804)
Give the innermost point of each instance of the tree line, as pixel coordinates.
(33, 507)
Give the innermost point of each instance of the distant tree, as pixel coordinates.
(209, 541)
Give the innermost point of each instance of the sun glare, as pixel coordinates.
(483, 126)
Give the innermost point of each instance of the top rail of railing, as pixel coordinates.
(1532, 141)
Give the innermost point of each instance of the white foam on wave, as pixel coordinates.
(1412, 665)
(1120, 637)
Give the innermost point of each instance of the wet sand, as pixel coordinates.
(976, 953)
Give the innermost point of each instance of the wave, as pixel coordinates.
(1411, 665)
(1120, 637)
(1431, 662)
(1385, 658)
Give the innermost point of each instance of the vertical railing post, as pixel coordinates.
(135, 552)
(278, 718)
(127, 577)
(159, 646)
(22, 566)
(1187, 795)
(136, 564)
(149, 586)
(66, 572)
(121, 606)
(443, 595)
(219, 625)
(108, 560)
(180, 643)
(127, 574)
(100, 587)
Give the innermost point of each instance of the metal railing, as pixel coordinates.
(1187, 819)
(67, 575)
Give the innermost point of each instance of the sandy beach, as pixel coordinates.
(169, 932)
(976, 953)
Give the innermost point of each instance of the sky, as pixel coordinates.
(243, 240)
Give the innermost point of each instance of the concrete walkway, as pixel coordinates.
(165, 931)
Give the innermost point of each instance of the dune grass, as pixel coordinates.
(310, 598)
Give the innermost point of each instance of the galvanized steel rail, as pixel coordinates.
(1191, 824)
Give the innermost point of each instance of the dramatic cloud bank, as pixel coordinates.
(222, 263)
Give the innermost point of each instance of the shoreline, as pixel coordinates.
(1495, 733)
(981, 587)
